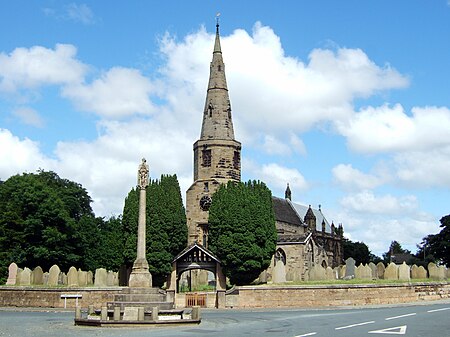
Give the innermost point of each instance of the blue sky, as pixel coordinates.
(348, 101)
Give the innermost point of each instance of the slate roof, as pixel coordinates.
(292, 213)
(285, 213)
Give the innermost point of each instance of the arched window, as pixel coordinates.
(280, 255)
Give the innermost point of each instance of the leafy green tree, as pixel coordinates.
(437, 247)
(394, 248)
(359, 251)
(242, 230)
(166, 226)
(39, 218)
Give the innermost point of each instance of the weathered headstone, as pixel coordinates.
(110, 278)
(90, 278)
(373, 269)
(100, 277)
(342, 271)
(418, 272)
(12, 274)
(25, 277)
(380, 270)
(72, 277)
(330, 274)
(434, 271)
(82, 278)
(46, 278)
(37, 276)
(391, 272)
(363, 272)
(62, 280)
(442, 272)
(19, 275)
(404, 273)
(53, 276)
(349, 267)
(317, 273)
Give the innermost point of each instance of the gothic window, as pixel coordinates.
(219, 67)
(206, 156)
(206, 187)
(280, 255)
(237, 160)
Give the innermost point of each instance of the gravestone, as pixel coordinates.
(373, 270)
(391, 272)
(442, 273)
(350, 268)
(434, 271)
(363, 272)
(72, 277)
(100, 277)
(110, 278)
(317, 273)
(404, 272)
(53, 276)
(37, 277)
(330, 274)
(342, 271)
(380, 270)
(418, 272)
(19, 275)
(25, 277)
(90, 278)
(12, 274)
(62, 280)
(82, 278)
(46, 278)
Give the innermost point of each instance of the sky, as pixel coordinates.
(347, 101)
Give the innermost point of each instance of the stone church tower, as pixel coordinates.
(217, 155)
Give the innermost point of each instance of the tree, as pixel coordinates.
(394, 249)
(357, 250)
(166, 234)
(39, 218)
(242, 230)
(437, 247)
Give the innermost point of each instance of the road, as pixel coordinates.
(418, 320)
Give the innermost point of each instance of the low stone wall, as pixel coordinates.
(51, 297)
(334, 295)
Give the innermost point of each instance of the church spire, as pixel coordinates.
(217, 122)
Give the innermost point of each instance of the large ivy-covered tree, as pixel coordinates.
(166, 226)
(40, 218)
(242, 230)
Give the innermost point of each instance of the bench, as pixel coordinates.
(75, 296)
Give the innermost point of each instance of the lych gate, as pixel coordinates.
(195, 257)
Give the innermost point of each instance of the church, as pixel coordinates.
(305, 237)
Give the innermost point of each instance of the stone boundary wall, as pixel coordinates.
(34, 297)
(335, 295)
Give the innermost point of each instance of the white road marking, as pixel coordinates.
(442, 309)
(353, 325)
(406, 315)
(401, 330)
(307, 334)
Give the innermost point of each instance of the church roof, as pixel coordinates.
(284, 212)
(302, 210)
(293, 213)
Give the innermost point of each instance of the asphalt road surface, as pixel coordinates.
(417, 320)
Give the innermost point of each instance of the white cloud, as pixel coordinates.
(19, 155)
(367, 202)
(351, 178)
(38, 66)
(117, 93)
(390, 129)
(29, 116)
(277, 176)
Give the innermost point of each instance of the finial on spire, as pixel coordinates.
(217, 23)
